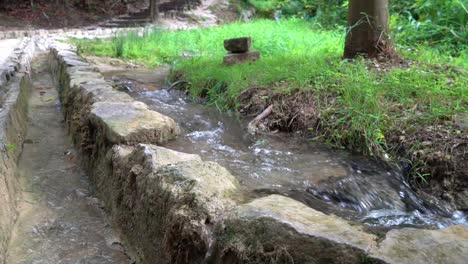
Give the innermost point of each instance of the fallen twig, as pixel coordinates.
(252, 127)
(174, 84)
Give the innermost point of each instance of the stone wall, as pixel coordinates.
(172, 207)
(15, 85)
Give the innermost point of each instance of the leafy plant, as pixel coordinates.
(437, 23)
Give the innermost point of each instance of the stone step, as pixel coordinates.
(119, 23)
(130, 22)
(113, 25)
(140, 13)
(128, 17)
(110, 25)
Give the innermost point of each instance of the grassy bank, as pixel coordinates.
(357, 104)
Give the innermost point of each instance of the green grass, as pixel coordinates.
(296, 55)
(264, 6)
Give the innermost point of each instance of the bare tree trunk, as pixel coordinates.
(367, 29)
(154, 10)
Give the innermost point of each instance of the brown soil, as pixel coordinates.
(438, 150)
(48, 15)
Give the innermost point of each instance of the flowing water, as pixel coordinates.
(326, 179)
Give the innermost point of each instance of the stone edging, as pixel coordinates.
(15, 86)
(97, 32)
(172, 207)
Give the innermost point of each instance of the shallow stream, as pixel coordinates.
(326, 179)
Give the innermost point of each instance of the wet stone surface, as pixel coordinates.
(60, 220)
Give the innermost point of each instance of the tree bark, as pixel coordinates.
(367, 29)
(154, 10)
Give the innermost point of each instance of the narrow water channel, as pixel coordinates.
(60, 221)
(326, 179)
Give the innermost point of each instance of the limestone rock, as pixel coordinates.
(163, 156)
(133, 123)
(277, 227)
(103, 92)
(165, 201)
(237, 45)
(233, 58)
(418, 246)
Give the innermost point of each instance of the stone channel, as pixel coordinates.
(148, 204)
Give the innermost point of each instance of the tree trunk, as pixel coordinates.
(367, 29)
(154, 10)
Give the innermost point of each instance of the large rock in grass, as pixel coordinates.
(234, 58)
(237, 45)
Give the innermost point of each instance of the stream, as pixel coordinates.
(329, 180)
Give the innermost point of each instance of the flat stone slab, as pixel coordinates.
(162, 156)
(234, 58)
(307, 220)
(277, 227)
(131, 123)
(238, 45)
(418, 246)
(103, 92)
